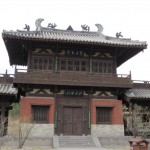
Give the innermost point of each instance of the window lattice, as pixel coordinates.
(40, 114)
(103, 115)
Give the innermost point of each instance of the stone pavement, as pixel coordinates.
(81, 149)
(40, 143)
(102, 143)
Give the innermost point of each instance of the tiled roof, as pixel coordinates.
(46, 34)
(8, 89)
(137, 93)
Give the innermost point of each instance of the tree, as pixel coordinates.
(137, 120)
(3, 129)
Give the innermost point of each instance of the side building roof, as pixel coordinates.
(7, 91)
(139, 91)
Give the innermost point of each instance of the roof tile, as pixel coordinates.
(138, 93)
(73, 36)
(7, 89)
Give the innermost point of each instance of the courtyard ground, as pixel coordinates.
(11, 141)
(109, 143)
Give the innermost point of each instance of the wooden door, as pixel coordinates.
(73, 121)
(77, 121)
(67, 120)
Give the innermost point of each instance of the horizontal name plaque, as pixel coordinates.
(75, 93)
(74, 53)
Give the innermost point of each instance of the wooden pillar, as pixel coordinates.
(91, 64)
(2, 120)
(4, 107)
(29, 57)
(55, 91)
(56, 63)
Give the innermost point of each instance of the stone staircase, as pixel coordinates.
(76, 142)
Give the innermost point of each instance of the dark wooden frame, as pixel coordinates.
(62, 102)
(43, 110)
(105, 115)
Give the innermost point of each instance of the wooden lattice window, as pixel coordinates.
(73, 65)
(83, 65)
(40, 114)
(70, 65)
(95, 66)
(42, 63)
(50, 64)
(77, 66)
(63, 65)
(35, 63)
(45, 62)
(102, 66)
(103, 115)
(109, 67)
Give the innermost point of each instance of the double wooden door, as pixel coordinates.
(73, 122)
(72, 116)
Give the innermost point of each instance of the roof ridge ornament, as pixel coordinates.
(52, 25)
(100, 28)
(85, 27)
(38, 24)
(118, 34)
(27, 27)
(70, 28)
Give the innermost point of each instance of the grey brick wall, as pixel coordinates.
(40, 130)
(107, 130)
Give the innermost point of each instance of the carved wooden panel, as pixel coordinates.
(105, 94)
(102, 54)
(42, 51)
(40, 92)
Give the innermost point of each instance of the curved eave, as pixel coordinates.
(8, 94)
(87, 42)
(5, 97)
(125, 56)
(142, 100)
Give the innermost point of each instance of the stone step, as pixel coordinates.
(76, 141)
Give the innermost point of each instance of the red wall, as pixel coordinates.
(117, 114)
(26, 102)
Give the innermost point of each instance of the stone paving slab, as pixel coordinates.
(30, 144)
(81, 149)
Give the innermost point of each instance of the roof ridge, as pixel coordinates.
(54, 30)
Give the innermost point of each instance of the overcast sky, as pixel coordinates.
(131, 17)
